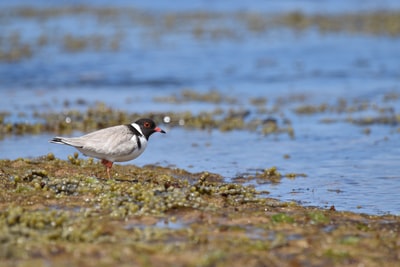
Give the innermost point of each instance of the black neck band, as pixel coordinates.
(134, 130)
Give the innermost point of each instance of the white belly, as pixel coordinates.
(118, 154)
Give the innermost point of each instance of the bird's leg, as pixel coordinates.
(108, 165)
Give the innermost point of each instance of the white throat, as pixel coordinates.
(141, 140)
(137, 127)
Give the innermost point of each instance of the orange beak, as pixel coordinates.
(158, 129)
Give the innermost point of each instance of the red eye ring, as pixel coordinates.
(147, 124)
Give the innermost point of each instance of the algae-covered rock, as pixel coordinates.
(56, 211)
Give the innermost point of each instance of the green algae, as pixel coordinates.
(190, 95)
(100, 115)
(67, 215)
(282, 218)
(379, 112)
(260, 117)
(268, 175)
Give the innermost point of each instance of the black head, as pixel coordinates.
(148, 127)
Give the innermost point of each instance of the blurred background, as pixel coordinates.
(311, 87)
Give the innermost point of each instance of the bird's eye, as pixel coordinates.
(147, 124)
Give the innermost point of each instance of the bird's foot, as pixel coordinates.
(108, 165)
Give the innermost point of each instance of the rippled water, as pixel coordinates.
(345, 167)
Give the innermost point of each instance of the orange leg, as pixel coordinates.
(108, 165)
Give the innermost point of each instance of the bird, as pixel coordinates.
(114, 144)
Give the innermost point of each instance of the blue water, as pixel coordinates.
(345, 167)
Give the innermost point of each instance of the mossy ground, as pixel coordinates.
(63, 213)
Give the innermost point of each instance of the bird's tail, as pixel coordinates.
(56, 140)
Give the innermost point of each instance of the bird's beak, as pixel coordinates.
(158, 129)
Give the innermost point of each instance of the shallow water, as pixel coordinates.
(345, 167)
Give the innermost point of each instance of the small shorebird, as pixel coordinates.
(114, 144)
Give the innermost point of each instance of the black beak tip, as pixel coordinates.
(158, 129)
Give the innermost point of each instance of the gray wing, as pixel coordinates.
(110, 141)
